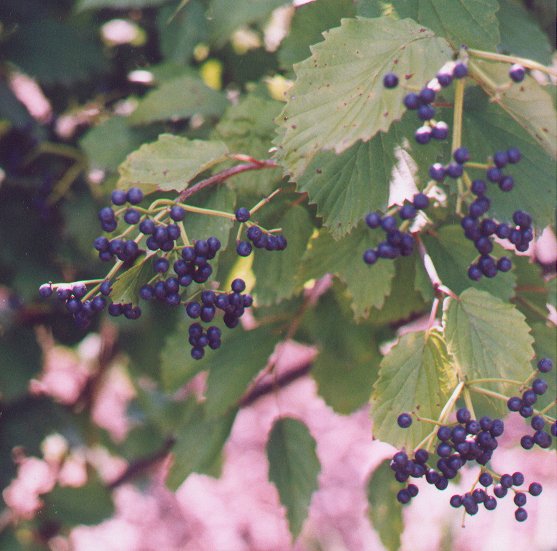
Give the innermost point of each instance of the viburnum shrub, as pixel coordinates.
(411, 157)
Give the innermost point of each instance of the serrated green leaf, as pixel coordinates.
(198, 444)
(486, 129)
(83, 5)
(520, 33)
(338, 97)
(367, 285)
(385, 512)
(309, 21)
(348, 359)
(532, 291)
(487, 338)
(545, 345)
(40, 48)
(233, 366)
(346, 187)
(126, 287)
(170, 163)
(275, 270)
(88, 504)
(249, 128)
(224, 20)
(180, 30)
(108, 143)
(415, 376)
(528, 103)
(469, 22)
(452, 254)
(293, 469)
(179, 98)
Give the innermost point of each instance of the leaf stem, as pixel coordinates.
(436, 282)
(494, 380)
(472, 164)
(528, 63)
(490, 393)
(468, 402)
(457, 114)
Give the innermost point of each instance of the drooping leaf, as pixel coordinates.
(348, 359)
(528, 103)
(170, 163)
(469, 22)
(367, 285)
(83, 5)
(234, 365)
(309, 21)
(224, 20)
(452, 254)
(108, 143)
(249, 128)
(293, 469)
(520, 33)
(415, 376)
(275, 270)
(179, 98)
(487, 338)
(385, 512)
(126, 287)
(487, 128)
(338, 97)
(346, 187)
(88, 504)
(198, 444)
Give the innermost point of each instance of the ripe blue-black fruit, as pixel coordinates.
(404, 420)
(390, 80)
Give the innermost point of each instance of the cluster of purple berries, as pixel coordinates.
(468, 440)
(524, 405)
(107, 216)
(480, 228)
(200, 339)
(397, 243)
(257, 238)
(71, 295)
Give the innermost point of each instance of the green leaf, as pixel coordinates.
(532, 293)
(126, 287)
(179, 98)
(487, 128)
(180, 30)
(346, 187)
(55, 52)
(338, 97)
(89, 504)
(367, 285)
(488, 338)
(452, 254)
(233, 366)
(274, 270)
(83, 5)
(470, 22)
(528, 103)
(415, 376)
(348, 359)
(198, 444)
(385, 512)
(308, 24)
(552, 290)
(170, 163)
(293, 469)
(249, 128)
(224, 20)
(108, 143)
(545, 336)
(520, 33)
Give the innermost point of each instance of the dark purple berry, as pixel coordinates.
(506, 184)
(407, 212)
(132, 216)
(370, 257)
(461, 155)
(404, 420)
(177, 213)
(527, 442)
(486, 479)
(444, 78)
(478, 187)
(520, 514)
(460, 70)
(244, 248)
(390, 80)
(134, 196)
(242, 214)
(514, 155)
(494, 174)
(535, 489)
(504, 264)
(423, 135)
(545, 365)
(539, 386)
(118, 197)
(456, 501)
(426, 112)
(420, 201)
(500, 159)
(454, 170)
(440, 131)
(517, 72)
(474, 272)
(411, 101)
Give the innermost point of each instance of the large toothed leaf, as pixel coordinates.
(472, 23)
(452, 254)
(527, 102)
(293, 469)
(488, 128)
(367, 285)
(488, 337)
(338, 97)
(179, 98)
(385, 512)
(415, 376)
(170, 163)
(346, 187)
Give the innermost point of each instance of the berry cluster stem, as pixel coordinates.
(528, 63)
